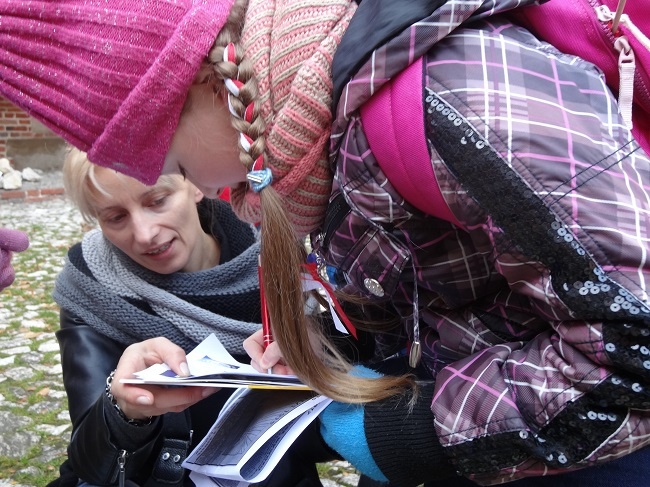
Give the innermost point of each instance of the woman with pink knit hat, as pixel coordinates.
(473, 188)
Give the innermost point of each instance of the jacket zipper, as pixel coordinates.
(626, 59)
(121, 465)
(337, 210)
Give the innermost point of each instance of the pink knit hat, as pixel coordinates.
(109, 76)
(291, 44)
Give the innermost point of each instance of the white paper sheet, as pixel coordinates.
(257, 424)
(253, 432)
(211, 365)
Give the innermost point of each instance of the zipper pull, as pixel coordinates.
(626, 59)
(626, 68)
(603, 13)
(121, 464)
(315, 259)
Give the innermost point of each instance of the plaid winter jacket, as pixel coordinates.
(486, 188)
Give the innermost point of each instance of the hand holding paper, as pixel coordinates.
(139, 401)
(256, 426)
(210, 364)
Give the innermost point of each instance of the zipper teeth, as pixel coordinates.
(335, 220)
(329, 234)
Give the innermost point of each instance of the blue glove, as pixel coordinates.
(392, 438)
(341, 426)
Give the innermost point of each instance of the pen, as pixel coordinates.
(267, 335)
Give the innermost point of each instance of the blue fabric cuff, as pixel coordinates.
(342, 429)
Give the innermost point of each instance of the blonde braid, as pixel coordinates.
(312, 356)
(240, 69)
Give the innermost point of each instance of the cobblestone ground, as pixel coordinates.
(34, 423)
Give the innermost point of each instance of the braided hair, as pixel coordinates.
(311, 355)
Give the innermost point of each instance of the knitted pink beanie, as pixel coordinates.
(109, 76)
(291, 44)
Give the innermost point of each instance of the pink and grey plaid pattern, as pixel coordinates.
(533, 315)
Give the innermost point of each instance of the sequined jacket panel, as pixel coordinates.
(530, 286)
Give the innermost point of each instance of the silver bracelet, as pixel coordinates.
(111, 398)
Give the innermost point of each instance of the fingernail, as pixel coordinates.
(185, 370)
(207, 391)
(143, 400)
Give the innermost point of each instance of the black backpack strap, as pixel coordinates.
(374, 23)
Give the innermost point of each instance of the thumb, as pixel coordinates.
(13, 240)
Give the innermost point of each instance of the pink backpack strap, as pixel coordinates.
(583, 28)
(393, 121)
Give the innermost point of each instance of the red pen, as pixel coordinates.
(267, 334)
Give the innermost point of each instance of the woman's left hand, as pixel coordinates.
(138, 401)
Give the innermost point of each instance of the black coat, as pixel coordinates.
(99, 434)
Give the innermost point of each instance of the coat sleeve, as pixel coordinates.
(87, 358)
(366, 435)
(553, 199)
(533, 301)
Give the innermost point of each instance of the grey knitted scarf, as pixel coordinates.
(128, 303)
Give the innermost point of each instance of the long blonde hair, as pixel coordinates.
(304, 346)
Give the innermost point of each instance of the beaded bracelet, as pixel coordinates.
(111, 398)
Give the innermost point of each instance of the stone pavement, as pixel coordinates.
(34, 423)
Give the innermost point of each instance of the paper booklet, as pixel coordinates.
(211, 365)
(255, 427)
(253, 431)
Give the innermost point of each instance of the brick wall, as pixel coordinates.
(17, 125)
(16, 128)
(26, 141)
